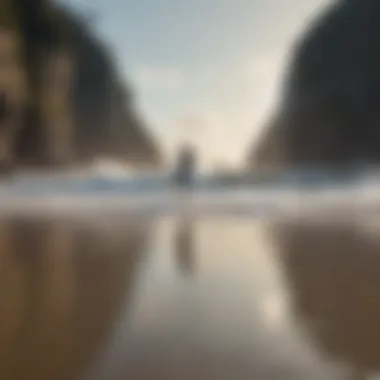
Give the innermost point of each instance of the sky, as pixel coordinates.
(203, 71)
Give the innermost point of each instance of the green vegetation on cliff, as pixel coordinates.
(7, 15)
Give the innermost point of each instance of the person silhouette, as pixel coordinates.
(185, 170)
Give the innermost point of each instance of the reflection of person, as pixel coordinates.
(184, 247)
(4, 109)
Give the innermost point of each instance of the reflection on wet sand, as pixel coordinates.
(61, 287)
(109, 300)
(334, 274)
(229, 322)
(184, 247)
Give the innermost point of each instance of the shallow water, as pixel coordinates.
(211, 298)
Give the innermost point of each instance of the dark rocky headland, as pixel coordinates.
(62, 100)
(329, 109)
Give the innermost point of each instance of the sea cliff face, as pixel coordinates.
(62, 101)
(329, 109)
(268, 153)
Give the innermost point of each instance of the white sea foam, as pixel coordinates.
(154, 194)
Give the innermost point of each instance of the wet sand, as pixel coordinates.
(196, 299)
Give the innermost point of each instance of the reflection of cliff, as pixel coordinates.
(334, 274)
(62, 286)
(64, 99)
(329, 108)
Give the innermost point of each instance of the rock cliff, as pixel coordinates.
(62, 100)
(329, 112)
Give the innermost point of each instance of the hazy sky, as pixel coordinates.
(205, 70)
